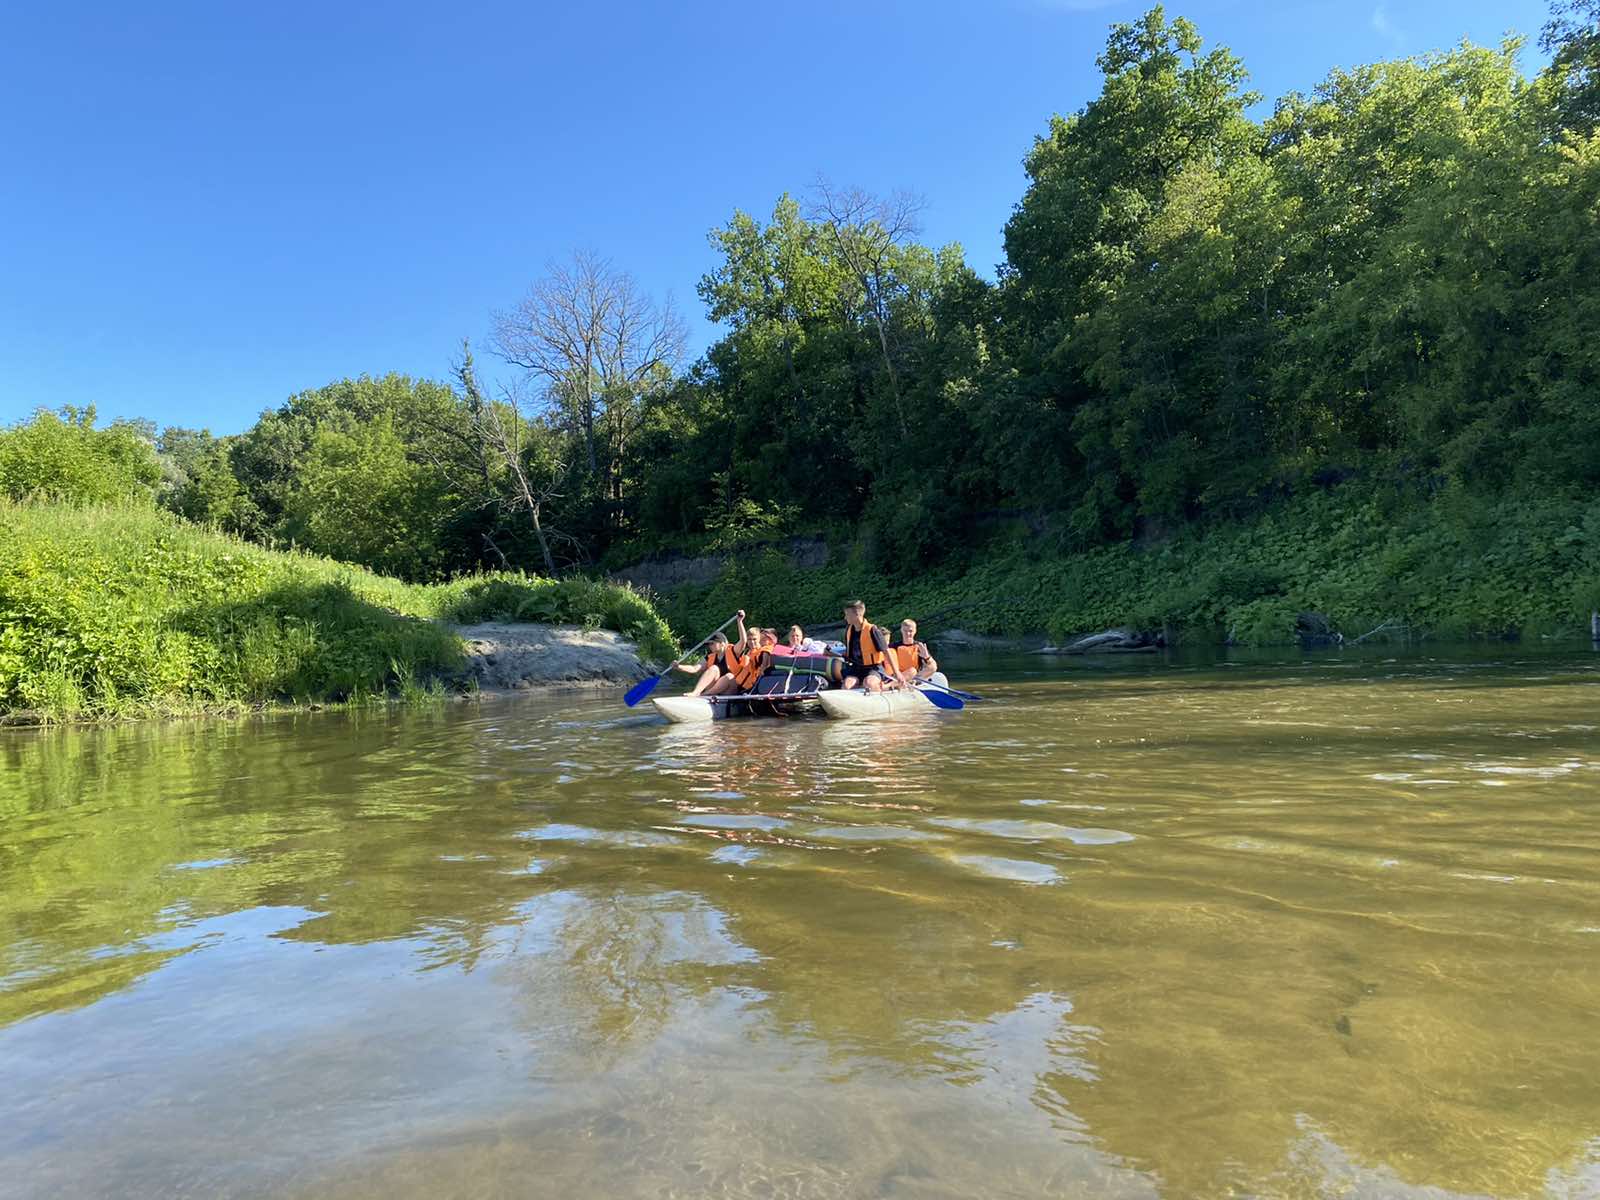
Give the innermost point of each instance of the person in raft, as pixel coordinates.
(912, 656)
(729, 666)
(796, 642)
(867, 661)
(801, 644)
(759, 658)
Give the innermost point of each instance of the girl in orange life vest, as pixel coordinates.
(733, 669)
(912, 656)
(725, 664)
(867, 661)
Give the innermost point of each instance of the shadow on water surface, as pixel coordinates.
(1009, 952)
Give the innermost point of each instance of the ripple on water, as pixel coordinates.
(204, 864)
(1018, 870)
(1034, 831)
(872, 833)
(739, 856)
(582, 833)
(733, 821)
(1552, 772)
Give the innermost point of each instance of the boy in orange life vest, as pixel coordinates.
(725, 664)
(912, 656)
(867, 661)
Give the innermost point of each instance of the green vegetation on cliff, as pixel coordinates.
(1458, 566)
(108, 611)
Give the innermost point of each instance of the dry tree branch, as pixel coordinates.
(593, 343)
(865, 230)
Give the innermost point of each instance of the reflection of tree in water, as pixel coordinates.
(385, 826)
(113, 838)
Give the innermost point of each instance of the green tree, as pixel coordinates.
(358, 497)
(269, 456)
(594, 346)
(62, 456)
(1178, 356)
(200, 483)
(1572, 39)
(1097, 181)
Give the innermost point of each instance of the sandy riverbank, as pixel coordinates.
(503, 658)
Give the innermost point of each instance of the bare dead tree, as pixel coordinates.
(498, 433)
(594, 344)
(865, 231)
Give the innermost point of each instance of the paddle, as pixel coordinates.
(969, 697)
(940, 697)
(645, 686)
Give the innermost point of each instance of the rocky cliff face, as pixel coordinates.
(675, 570)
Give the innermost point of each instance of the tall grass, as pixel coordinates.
(109, 611)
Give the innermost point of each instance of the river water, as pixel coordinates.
(1289, 927)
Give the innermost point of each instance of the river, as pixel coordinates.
(1288, 926)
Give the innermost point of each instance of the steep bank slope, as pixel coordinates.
(1458, 566)
(128, 611)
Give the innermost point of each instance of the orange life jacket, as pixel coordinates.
(871, 656)
(731, 663)
(908, 656)
(750, 670)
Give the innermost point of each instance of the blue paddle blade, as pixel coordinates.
(941, 699)
(640, 690)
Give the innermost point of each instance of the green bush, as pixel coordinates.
(62, 456)
(116, 611)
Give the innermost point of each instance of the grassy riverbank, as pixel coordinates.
(1457, 566)
(126, 611)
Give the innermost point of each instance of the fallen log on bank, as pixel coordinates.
(1111, 641)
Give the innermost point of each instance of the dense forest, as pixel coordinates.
(1385, 292)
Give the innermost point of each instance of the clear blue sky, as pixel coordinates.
(207, 207)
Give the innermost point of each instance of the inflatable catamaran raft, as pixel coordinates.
(795, 686)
